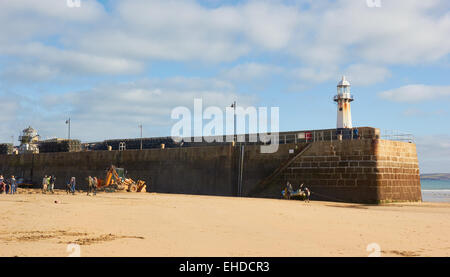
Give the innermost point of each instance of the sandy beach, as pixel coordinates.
(150, 224)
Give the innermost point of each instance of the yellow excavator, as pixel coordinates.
(115, 181)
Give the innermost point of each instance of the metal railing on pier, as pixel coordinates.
(327, 135)
(397, 136)
(344, 134)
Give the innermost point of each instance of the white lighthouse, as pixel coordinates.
(343, 99)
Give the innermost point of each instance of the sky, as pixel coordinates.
(113, 65)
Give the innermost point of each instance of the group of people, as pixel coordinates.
(48, 184)
(302, 190)
(8, 186)
(92, 185)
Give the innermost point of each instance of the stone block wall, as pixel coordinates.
(398, 177)
(362, 171)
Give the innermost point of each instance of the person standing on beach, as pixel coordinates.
(48, 183)
(307, 194)
(13, 185)
(95, 185)
(289, 186)
(2, 184)
(288, 190)
(72, 185)
(44, 184)
(90, 184)
(52, 183)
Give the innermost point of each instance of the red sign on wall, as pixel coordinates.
(308, 135)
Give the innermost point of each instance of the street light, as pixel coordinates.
(234, 119)
(140, 126)
(68, 122)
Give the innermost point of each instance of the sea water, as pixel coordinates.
(435, 190)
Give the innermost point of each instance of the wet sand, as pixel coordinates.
(150, 224)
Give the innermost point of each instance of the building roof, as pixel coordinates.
(30, 131)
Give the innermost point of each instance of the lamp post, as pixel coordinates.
(140, 126)
(234, 119)
(68, 123)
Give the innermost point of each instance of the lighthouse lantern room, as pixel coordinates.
(343, 99)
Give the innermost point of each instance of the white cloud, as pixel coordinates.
(71, 61)
(89, 11)
(115, 110)
(150, 100)
(401, 32)
(252, 71)
(12, 109)
(148, 29)
(357, 74)
(22, 20)
(434, 153)
(26, 73)
(415, 93)
(316, 75)
(9, 109)
(181, 47)
(364, 74)
(269, 25)
(136, 32)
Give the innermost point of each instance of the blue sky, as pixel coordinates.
(112, 65)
